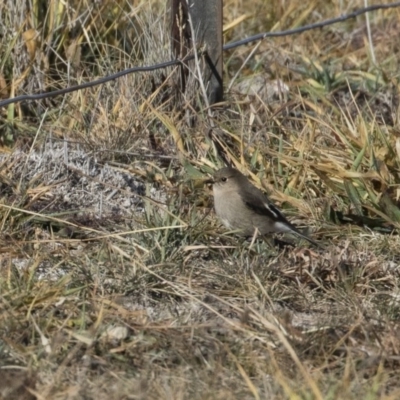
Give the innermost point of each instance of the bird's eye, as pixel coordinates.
(224, 179)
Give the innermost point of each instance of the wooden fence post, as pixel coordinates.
(206, 16)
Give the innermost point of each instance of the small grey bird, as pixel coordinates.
(241, 206)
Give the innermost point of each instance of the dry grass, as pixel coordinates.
(116, 279)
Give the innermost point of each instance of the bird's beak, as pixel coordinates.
(209, 181)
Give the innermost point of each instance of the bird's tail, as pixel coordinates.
(290, 228)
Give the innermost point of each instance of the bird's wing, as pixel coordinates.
(259, 203)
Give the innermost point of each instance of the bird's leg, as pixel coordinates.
(253, 239)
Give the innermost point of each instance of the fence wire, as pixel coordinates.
(228, 46)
